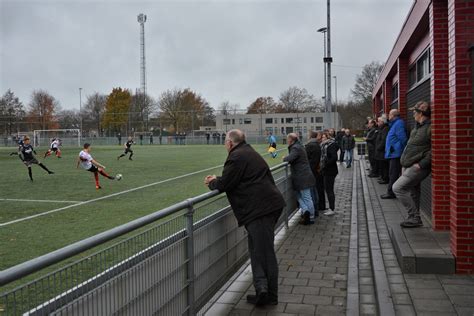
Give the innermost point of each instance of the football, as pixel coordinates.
(118, 177)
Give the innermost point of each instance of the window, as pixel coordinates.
(268, 129)
(268, 121)
(283, 130)
(412, 76)
(312, 119)
(241, 121)
(275, 121)
(305, 130)
(319, 119)
(282, 120)
(247, 121)
(276, 130)
(298, 120)
(226, 121)
(289, 120)
(233, 121)
(420, 70)
(395, 92)
(318, 128)
(304, 120)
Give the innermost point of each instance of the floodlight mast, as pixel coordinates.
(141, 18)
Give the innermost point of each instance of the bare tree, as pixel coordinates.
(69, 119)
(262, 105)
(296, 99)
(43, 108)
(93, 111)
(365, 82)
(227, 108)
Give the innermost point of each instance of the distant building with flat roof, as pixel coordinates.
(277, 123)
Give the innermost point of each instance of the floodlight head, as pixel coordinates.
(141, 18)
(323, 30)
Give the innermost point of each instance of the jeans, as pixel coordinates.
(306, 202)
(393, 173)
(329, 188)
(407, 189)
(261, 235)
(348, 157)
(315, 197)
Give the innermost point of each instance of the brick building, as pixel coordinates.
(433, 60)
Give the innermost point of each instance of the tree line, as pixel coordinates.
(176, 110)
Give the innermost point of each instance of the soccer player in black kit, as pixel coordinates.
(25, 152)
(128, 149)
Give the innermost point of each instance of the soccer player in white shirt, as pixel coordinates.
(55, 143)
(88, 163)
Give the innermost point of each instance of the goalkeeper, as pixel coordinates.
(272, 145)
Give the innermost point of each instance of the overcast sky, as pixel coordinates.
(226, 50)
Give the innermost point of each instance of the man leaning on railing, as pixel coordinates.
(257, 204)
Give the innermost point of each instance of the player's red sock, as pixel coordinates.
(103, 173)
(58, 154)
(96, 176)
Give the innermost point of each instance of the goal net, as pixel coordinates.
(68, 137)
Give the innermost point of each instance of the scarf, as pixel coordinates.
(324, 152)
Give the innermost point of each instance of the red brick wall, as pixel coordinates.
(387, 92)
(439, 114)
(402, 67)
(461, 36)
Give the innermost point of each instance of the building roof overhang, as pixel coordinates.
(415, 26)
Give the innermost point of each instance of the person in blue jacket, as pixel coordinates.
(394, 146)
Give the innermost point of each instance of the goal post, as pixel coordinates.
(71, 136)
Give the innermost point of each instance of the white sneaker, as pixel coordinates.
(329, 213)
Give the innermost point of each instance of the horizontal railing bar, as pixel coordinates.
(28, 267)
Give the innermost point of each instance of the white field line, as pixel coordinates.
(41, 201)
(106, 196)
(110, 195)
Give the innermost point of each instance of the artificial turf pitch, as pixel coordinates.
(30, 238)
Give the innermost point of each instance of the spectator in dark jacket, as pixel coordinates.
(380, 149)
(370, 140)
(348, 144)
(302, 178)
(257, 204)
(394, 145)
(339, 137)
(328, 166)
(313, 150)
(416, 163)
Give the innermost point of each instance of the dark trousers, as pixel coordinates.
(383, 166)
(329, 188)
(315, 198)
(341, 156)
(320, 189)
(261, 235)
(394, 171)
(373, 163)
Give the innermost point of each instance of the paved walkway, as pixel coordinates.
(346, 265)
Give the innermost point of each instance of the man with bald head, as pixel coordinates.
(394, 146)
(257, 204)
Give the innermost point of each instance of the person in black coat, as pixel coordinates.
(313, 150)
(257, 204)
(379, 153)
(370, 139)
(302, 178)
(328, 165)
(338, 139)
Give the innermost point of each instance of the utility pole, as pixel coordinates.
(328, 58)
(80, 113)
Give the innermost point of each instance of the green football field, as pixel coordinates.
(56, 210)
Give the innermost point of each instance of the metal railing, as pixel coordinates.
(170, 262)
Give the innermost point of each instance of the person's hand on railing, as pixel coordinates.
(209, 179)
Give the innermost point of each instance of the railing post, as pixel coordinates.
(286, 196)
(190, 257)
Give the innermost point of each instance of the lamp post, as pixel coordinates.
(80, 113)
(324, 30)
(335, 104)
